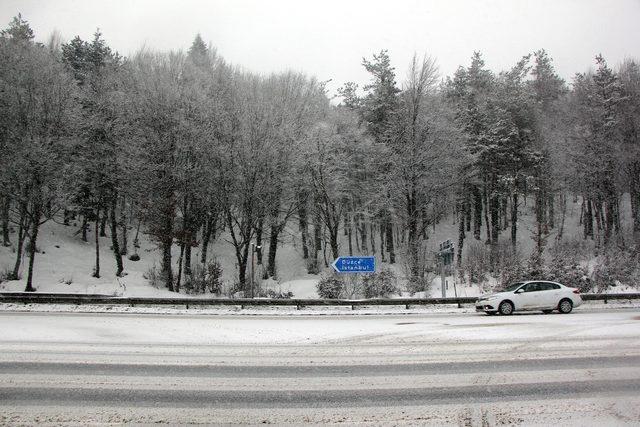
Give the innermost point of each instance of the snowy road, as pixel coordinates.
(439, 369)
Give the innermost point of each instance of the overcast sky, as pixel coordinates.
(329, 38)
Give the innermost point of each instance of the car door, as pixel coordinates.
(546, 295)
(553, 294)
(526, 297)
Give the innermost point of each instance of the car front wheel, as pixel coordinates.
(565, 306)
(506, 308)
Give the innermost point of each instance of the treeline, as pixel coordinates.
(184, 146)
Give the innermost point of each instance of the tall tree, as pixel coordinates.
(38, 107)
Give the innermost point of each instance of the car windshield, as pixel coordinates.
(513, 287)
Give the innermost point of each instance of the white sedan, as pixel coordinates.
(533, 295)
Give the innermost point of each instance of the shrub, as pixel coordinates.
(420, 284)
(508, 264)
(477, 261)
(380, 285)
(330, 287)
(153, 276)
(312, 266)
(6, 274)
(570, 273)
(270, 293)
(616, 265)
(572, 248)
(67, 280)
(204, 279)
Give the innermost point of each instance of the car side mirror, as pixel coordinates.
(519, 291)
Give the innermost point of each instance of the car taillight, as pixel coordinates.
(576, 291)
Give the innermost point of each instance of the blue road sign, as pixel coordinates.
(355, 264)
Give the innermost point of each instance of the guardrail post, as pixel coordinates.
(406, 306)
(353, 307)
(187, 306)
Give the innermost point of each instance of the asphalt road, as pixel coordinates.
(455, 369)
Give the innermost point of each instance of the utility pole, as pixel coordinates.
(442, 278)
(445, 255)
(253, 268)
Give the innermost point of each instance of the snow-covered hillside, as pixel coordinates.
(65, 263)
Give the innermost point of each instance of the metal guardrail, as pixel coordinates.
(78, 299)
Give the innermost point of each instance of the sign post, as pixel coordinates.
(355, 264)
(445, 254)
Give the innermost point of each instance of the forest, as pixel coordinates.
(186, 148)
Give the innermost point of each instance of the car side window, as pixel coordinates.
(545, 286)
(532, 287)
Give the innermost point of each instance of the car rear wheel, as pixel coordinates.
(505, 308)
(565, 306)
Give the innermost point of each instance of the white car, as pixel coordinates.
(531, 295)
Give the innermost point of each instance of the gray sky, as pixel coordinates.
(329, 38)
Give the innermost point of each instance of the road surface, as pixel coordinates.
(428, 369)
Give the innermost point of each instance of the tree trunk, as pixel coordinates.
(85, 226)
(514, 219)
(347, 230)
(302, 223)
(563, 210)
(242, 271)
(4, 212)
(486, 215)
(37, 214)
(273, 248)
(467, 212)
(187, 254)
(389, 239)
(333, 241)
(180, 262)
(373, 238)
(258, 249)
(23, 230)
(208, 229)
(599, 220)
(317, 231)
(124, 247)
(588, 218)
(382, 231)
(609, 219)
(412, 228)
(551, 210)
(363, 235)
(495, 219)
(461, 234)
(634, 192)
(115, 245)
(103, 222)
(96, 271)
(477, 212)
(167, 243)
(185, 244)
